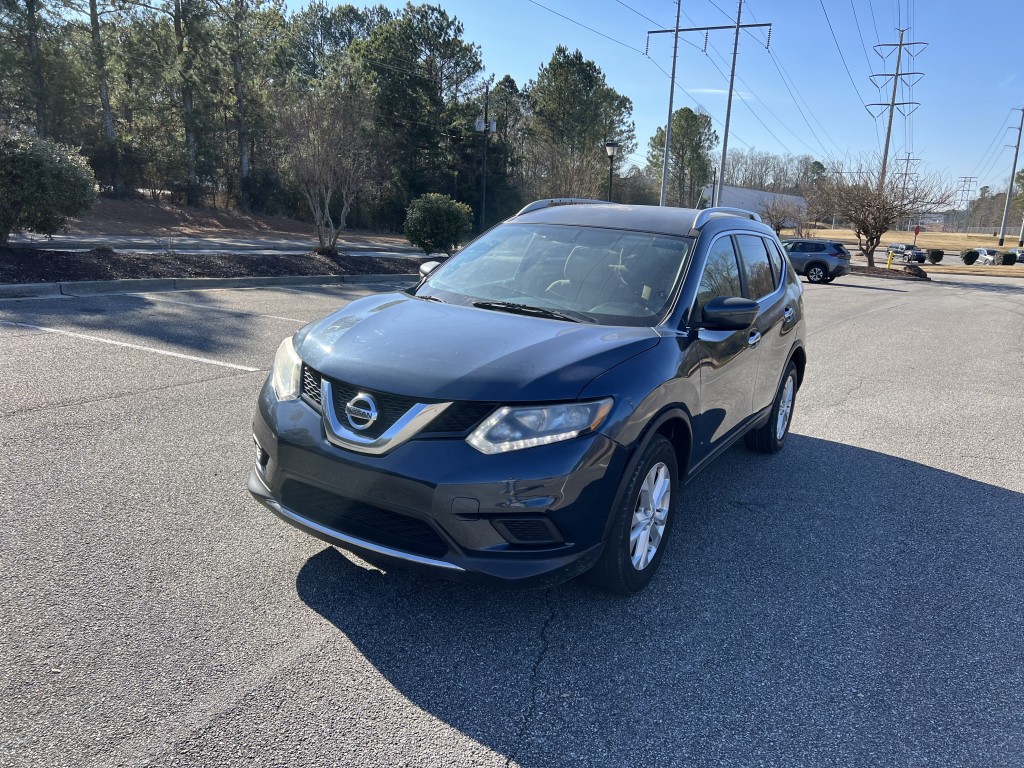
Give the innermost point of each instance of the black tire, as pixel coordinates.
(906, 259)
(816, 272)
(766, 439)
(615, 572)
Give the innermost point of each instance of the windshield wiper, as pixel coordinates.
(526, 309)
(428, 297)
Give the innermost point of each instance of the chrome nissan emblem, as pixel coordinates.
(361, 411)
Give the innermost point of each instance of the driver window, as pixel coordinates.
(721, 275)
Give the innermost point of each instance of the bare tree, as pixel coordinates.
(853, 192)
(779, 211)
(328, 134)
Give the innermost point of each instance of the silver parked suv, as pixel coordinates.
(820, 261)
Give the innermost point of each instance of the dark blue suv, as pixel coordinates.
(531, 410)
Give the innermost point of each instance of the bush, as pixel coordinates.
(436, 223)
(935, 255)
(1008, 259)
(969, 256)
(42, 183)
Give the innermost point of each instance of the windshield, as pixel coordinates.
(606, 276)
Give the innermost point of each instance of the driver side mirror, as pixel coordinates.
(427, 267)
(729, 313)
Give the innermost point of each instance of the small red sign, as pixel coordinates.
(917, 230)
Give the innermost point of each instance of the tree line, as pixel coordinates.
(339, 114)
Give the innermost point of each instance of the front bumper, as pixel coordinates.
(531, 518)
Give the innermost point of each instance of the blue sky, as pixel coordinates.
(973, 70)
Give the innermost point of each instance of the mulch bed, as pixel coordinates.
(896, 273)
(33, 265)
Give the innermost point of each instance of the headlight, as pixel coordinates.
(286, 377)
(512, 429)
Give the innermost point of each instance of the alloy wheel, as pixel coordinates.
(650, 516)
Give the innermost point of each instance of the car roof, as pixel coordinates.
(641, 218)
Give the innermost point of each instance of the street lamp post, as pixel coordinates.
(611, 147)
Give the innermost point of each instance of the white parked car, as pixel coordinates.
(987, 256)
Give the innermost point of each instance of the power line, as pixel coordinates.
(797, 97)
(860, 34)
(1000, 132)
(699, 105)
(840, 51)
(874, 23)
(591, 29)
(634, 10)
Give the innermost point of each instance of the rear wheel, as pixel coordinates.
(772, 436)
(816, 273)
(639, 532)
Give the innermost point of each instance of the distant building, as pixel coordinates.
(751, 199)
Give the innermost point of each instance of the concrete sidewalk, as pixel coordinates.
(159, 284)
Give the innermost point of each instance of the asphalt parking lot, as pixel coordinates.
(856, 600)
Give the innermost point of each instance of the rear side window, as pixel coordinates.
(760, 281)
(721, 275)
(776, 259)
(816, 247)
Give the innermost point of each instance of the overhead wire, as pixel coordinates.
(637, 50)
(591, 29)
(840, 52)
(803, 108)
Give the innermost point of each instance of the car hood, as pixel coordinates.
(403, 345)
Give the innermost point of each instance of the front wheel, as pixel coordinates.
(640, 528)
(772, 436)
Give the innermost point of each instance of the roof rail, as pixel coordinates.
(703, 217)
(537, 205)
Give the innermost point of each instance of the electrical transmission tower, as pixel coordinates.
(907, 175)
(962, 201)
(905, 107)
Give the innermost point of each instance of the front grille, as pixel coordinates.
(458, 418)
(390, 408)
(311, 386)
(380, 526)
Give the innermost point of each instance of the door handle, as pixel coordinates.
(755, 336)
(788, 314)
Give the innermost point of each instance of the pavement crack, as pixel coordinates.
(531, 711)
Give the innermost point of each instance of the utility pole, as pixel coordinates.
(671, 95)
(893, 104)
(728, 107)
(485, 126)
(1013, 172)
(732, 76)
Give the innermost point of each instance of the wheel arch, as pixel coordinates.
(673, 424)
(799, 358)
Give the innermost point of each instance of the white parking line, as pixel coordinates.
(150, 297)
(140, 347)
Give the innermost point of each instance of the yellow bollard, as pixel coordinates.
(889, 262)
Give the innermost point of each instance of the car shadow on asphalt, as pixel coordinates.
(867, 287)
(828, 605)
(140, 318)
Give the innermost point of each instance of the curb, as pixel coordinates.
(162, 284)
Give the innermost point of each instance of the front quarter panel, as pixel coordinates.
(663, 377)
